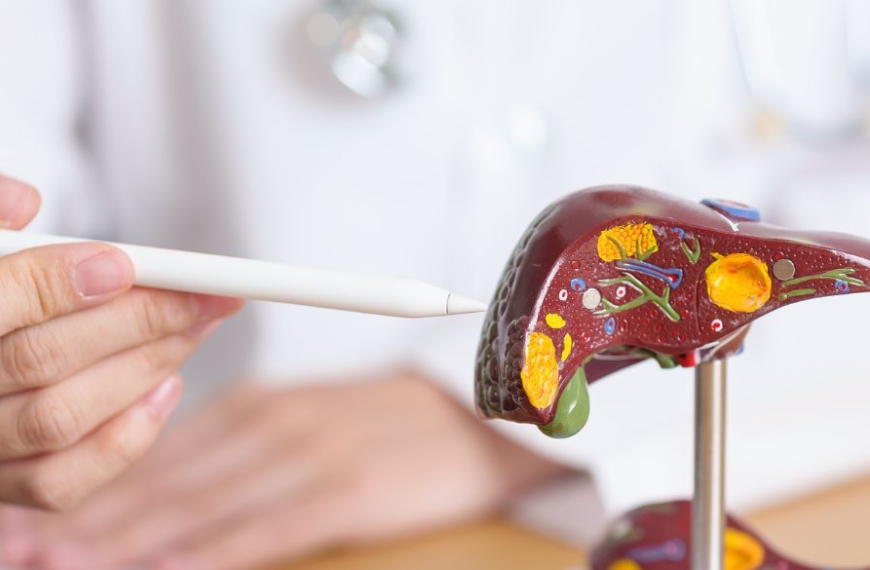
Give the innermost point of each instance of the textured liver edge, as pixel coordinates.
(579, 216)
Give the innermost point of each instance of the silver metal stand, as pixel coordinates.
(708, 506)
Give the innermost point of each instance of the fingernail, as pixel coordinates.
(12, 197)
(212, 307)
(66, 556)
(161, 400)
(103, 273)
(202, 330)
(17, 549)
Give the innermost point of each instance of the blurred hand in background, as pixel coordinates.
(268, 474)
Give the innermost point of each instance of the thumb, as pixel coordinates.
(19, 203)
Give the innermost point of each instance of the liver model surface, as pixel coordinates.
(612, 275)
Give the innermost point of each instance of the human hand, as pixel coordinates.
(87, 362)
(268, 475)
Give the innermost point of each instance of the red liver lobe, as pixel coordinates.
(561, 245)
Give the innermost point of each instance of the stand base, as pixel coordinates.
(658, 537)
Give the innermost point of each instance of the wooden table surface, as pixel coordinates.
(826, 529)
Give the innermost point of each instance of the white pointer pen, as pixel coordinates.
(266, 281)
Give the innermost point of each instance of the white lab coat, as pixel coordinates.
(212, 126)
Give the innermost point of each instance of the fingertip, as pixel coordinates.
(215, 307)
(161, 401)
(204, 330)
(107, 272)
(19, 203)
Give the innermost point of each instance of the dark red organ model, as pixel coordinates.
(613, 275)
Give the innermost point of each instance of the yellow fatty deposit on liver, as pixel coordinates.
(634, 239)
(540, 373)
(554, 321)
(739, 282)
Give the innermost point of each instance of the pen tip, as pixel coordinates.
(459, 305)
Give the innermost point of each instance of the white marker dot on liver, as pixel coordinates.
(591, 299)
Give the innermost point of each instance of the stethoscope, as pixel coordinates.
(358, 40)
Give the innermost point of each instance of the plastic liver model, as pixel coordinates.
(612, 275)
